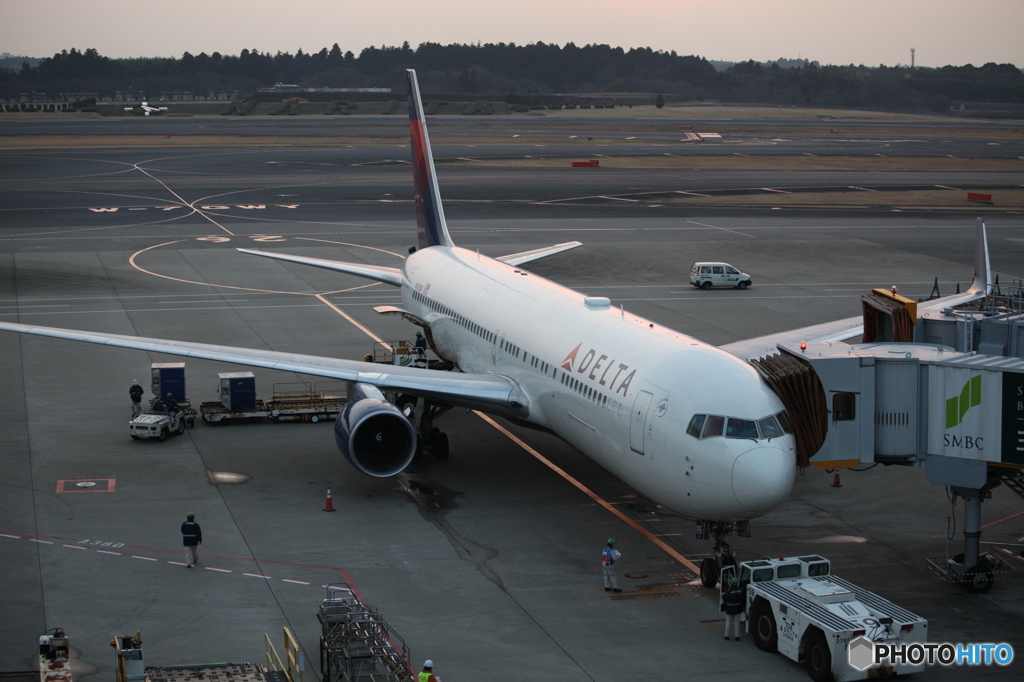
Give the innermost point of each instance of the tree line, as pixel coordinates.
(536, 68)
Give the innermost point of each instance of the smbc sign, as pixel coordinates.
(976, 414)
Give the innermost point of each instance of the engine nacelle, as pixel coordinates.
(375, 437)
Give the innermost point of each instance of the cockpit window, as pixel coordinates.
(770, 427)
(696, 424)
(741, 428)
(713, 426)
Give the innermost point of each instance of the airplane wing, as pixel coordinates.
(377, 273)
(530, 256)
(841, 330)
(486, 392)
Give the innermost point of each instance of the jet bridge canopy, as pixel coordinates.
(798, 387)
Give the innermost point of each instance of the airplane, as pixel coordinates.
(692, 427)
(145, 109)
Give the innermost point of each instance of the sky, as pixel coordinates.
(869, 32)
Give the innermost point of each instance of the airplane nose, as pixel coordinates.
(762, 478)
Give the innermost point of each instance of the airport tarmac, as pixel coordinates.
(494, 571)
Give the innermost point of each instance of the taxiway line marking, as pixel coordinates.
(724, 229)
(13, 537)
(131, 261)
(354, 322)
(258, 575)
(591, 494)
(76, 547)
(144, 558)
(107, 551)
(42, 542)
(297, 582)
(219, 570)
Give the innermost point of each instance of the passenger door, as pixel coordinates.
(718, 275)
(637, 425)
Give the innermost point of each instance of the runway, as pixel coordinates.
(495, 573)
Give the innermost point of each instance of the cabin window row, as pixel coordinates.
(588, 392)
(713, 425)
(489, 336)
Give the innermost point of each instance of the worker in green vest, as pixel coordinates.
(427, 674)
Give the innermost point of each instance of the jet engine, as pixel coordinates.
(375, 437)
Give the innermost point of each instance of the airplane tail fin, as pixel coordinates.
(430, 224)
(982, 283)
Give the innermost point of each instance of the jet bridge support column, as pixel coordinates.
(972, 525)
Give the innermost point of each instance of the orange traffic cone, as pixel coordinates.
(330, 504)
(835, 484)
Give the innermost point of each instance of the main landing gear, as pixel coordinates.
(711, 568)
(430, 439)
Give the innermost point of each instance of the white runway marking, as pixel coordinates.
(13, 537)
(76, 547)
(144, 558)
(42, 542)
(297, 582)
(219, 570)
(106, 551)
(257, 575)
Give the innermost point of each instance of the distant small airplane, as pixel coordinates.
(145, 109)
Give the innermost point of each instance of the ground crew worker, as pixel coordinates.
(427, 674)
(421, 350)
(136, 395)
(170, 405)
(192, 537)
(609, 555)
(732, 604)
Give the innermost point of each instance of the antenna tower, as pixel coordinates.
(912, 51)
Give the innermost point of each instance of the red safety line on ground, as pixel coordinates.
(1003, 519)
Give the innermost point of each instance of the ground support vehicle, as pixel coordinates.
(795, 606)
(157, 425)
(708, 275)
(292, 401)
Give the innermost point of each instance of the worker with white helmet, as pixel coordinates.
(427, 674)
(135, 391)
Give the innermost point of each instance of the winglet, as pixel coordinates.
(982, 283)
(430, 225)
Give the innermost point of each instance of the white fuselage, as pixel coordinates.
(619, 388)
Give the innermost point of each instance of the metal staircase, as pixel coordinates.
(356, 645)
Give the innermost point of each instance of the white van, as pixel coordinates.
(707, 275)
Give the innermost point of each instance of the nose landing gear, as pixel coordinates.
(711, 568)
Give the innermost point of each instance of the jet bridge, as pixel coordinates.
(949, 399)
